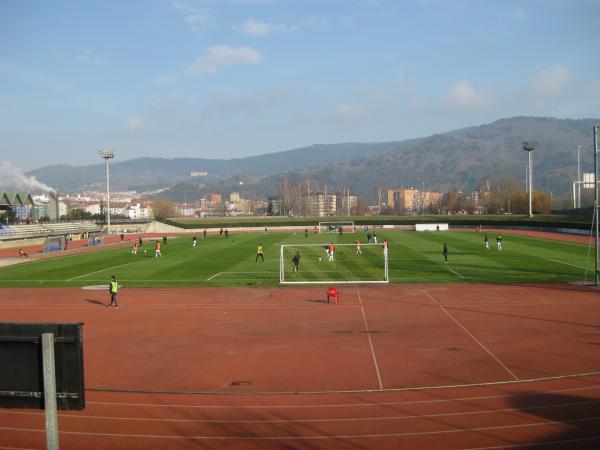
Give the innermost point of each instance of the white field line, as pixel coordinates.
(471, 335)
(321, 420)
(353, 404)
(566, 264)
(456, 273)
(370, 340)
(98, 271)
(215, 275)
(332, 437)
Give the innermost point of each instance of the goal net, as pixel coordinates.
(347, 265)
(334, 227)
(53, 244)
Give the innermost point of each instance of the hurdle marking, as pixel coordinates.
(470, 334)
(370, 341)
(98, 271)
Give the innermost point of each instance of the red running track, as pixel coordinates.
(404, 366)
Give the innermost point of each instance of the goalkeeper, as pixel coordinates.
(296, 260)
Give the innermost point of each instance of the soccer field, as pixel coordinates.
(413, 258)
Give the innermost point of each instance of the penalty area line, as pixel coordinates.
(456, 273)
(98, 271)
(215, 275)
(566, 264)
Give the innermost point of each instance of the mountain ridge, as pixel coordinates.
(453, 159)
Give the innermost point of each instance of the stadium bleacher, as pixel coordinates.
(31, 231)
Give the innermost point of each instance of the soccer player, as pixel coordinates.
(259, 252)
(226, 233)
(204, 236)
(331, 250)
(113, 288)
(486, 241)
(374, 237)
(165, 241)
(326, 248)
(135, 248)
(194, 241)
(445, 252)
(305, 233)
(296, 260)
(23, 253)
(499, 243)
(357, 244)
(157, 250)
(369, 238)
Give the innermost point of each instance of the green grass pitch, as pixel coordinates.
(414, 257)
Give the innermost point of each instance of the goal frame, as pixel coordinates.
(348, 223)
(283, 281)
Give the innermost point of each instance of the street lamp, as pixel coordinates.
(529, 146)
(107, 155)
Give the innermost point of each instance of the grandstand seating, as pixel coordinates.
(30, 231)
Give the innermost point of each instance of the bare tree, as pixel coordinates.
(285, 197)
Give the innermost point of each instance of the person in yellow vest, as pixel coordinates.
(113, 289)
(259, 252)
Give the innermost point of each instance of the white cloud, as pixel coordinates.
(87, 58)
(197, 18)
(134, 124)
(222, 55)
(23, 74)
(254, 27)
(463, 95)
(551, 81)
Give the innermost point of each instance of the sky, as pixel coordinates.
(235, 78)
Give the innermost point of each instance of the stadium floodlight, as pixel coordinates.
(107, 155)
(596, 193)
(578, 178)
(370, 265)
(529, 146)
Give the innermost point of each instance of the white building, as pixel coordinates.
(137, 211)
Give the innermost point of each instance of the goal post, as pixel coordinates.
(334, 226)
(348, 265)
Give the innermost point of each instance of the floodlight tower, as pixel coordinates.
(578, 179)
(107, 155)
(529, 146)
(596, 194)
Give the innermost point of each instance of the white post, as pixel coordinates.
(107, 197)
(348, 206)
(50, 391)
(530, 186)
(578, 179)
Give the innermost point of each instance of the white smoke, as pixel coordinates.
(13, 178)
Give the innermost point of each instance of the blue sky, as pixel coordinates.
(233, 78)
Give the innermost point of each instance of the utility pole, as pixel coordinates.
(596, 150)
(529, 147)
(107, 155)
(578, 179)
